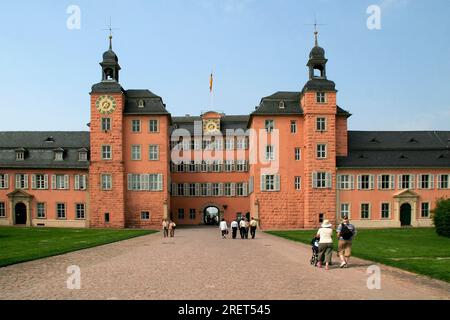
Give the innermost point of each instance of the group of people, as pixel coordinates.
(243, 225)
(323, 243)
(168, 228)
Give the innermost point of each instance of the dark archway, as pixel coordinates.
(20, 213)
(211, 216)
(405, 214)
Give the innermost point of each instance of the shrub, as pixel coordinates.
(441, 217)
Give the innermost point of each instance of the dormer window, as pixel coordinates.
(50, 139)
(82, 155)
(20, 155)
(281, 105)
(59, 154)
(141, 103)
(321, 97)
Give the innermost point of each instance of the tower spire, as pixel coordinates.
(110, 38)
(316, 41)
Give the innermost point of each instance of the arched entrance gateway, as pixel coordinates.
(20, 214)
(405, 214)
(211, 215)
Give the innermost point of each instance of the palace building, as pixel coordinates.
(291, 163)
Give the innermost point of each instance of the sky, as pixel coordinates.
(396, 77)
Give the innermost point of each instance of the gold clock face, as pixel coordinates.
(211, 126)
(106, 104)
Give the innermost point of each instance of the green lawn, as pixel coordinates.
(418, 250)
(25, 244)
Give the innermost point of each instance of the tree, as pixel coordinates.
(441, 217)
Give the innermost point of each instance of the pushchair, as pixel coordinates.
(315, 251)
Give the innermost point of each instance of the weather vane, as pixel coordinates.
(110, 29)
(316, 31)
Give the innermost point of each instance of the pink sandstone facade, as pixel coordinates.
(290, 164)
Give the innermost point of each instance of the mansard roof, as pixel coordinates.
(40, 148)
(153, 104)
(397, 149)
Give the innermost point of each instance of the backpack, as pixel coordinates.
(346, 233)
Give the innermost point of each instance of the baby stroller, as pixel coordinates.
(315, 251)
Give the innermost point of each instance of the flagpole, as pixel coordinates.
(211, 91)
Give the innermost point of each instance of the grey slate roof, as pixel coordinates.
(319, 85)
(110, 86)
(228, 122)
(40, 147)
(271, 105)
(397, 149)
(153, 104)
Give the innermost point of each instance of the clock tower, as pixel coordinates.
(106, 178)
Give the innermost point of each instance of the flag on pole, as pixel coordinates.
(211, 83)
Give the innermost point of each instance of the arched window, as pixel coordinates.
(141, 104)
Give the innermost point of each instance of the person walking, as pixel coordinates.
(242, 228)
(253, 226)
(325, 244)
(247, 227)
(223, 228)
(234, 228)
(345, 233)
(165, 225)
(172, 227)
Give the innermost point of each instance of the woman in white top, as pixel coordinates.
(325, 244)
(224, 228)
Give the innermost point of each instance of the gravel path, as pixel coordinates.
(198, 264)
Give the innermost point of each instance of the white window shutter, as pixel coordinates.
(209, 189)
(77, 182)
(145, 182)
(160, 182)
(197, 189)
(66, 182)
(174, 189)
(33, 181)
(6, 181)
(45, 181)
(54, 181)
(233, 189)
(245, 186)
(399, 177)
(371, 179)
(277, 183)
(392, 181)
(329, 180)
(411, 180)
(26, 181)
(419, 181)
(17, 181)
(380, 182)
(186, 189)
(352, 182)
(431, 181)
(221, 189)
(263, 182)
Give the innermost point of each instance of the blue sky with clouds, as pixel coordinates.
(396, 78)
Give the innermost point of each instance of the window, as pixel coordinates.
(443, 181)
(321, 151)
(345, 210)
(229, 143)
(425, 181)
(135, 152)
(82, 156)
(145, 182)
(180, 189)
(136, 126)
(240, 189)
(80, 182)
(106, 124)
(215, 189)
(322, 180)
(365, 182)
(106, 152)
(293, 126)
(2, 210)
(145, 215)
(204, 189)
(365, 211)
(153, 126)
(60, 182)
(229, 165)
(241, 166)
(192, 214)
(21, 181)
(386, 182)
(241, 144)
(269, 125)
(59, 155)
(270, 154)
(107, 217)
(61, 210)
(40, 210)
(106, 180)
(298, 183)
(321, 97)
(321, 124)
(346, 182)
(216, 166)
(4, 181)
(425, 210)
(180, 214)
(192, 190)
(406, 181)
(227, 189)
(385, 210)
(80, 211)
(298, 154)
(20, 155)
(141, 104)
(39, 181)
(270, 183)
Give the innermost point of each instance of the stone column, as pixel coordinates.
(256, 214)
